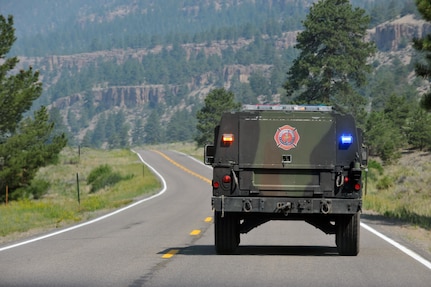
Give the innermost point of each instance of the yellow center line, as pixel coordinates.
(170, 253)
(183, 167)
(195, 232)
(208, 219)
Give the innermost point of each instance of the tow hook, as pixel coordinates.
(247, 206)
(325, 206)
(283, 207)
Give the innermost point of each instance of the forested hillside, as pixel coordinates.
(49, 27)
(120, 73)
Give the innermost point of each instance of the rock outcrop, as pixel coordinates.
(389, 36)
(394, 35)
(128, 97)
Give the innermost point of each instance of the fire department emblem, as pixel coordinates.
(286, 137)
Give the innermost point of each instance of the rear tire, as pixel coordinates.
(347, 236)
(226, 230)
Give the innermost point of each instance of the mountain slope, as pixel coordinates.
(147, 58)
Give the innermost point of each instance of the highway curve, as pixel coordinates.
(168, 241)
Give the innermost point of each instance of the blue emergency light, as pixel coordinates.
(346, 139)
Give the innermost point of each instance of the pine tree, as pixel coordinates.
(383, 137)
(153, 129)
(26, 144)
(99, 134)
(423, 45)
(419, 129)
(217, 102)
(333, 58)
(138, 132)
(119, 137)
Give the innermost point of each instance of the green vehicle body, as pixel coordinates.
(287, 163)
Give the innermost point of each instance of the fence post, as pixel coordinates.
(77, 185)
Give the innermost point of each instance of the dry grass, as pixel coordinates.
(400, 191)
(60, 207)
(403, 189)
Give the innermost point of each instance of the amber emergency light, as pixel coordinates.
(227, 139)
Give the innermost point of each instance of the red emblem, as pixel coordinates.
(286, 137)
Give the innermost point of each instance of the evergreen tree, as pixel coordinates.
(277, 76)
(333, 58)
(72, 121)
(423, 45)
(419, 130)
(153, 129)
(25, 144)
(181, 127)
(217, 102)
(383, 137)
(120, 137)
(243, 92)
(138, 132)
(59, 126)
(87, 140)
(260, 85)
(398, 110)
(98, 136)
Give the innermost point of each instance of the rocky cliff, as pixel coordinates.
(394, 35)
(389, 36)
(124, 97)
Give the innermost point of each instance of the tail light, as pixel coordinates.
(223, 185)
(227, 179)
(351, 183)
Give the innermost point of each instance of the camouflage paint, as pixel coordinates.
(285, 154)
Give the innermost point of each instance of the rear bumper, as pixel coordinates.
(287, 205)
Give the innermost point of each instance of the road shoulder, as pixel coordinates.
(411, 236)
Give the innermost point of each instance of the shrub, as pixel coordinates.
(35, 190)
(375, 169)
(38, 188)
(98, 172)
(103, 176)
(384, 183)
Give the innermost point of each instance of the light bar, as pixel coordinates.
(287, 108)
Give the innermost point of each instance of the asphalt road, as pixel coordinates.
(168, 241)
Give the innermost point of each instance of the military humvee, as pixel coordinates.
(287, 162)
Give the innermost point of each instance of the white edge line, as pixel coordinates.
(99, 218)
(404, 249)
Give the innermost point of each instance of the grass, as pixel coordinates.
(398, 191)
(60, 207)
(402, 190)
